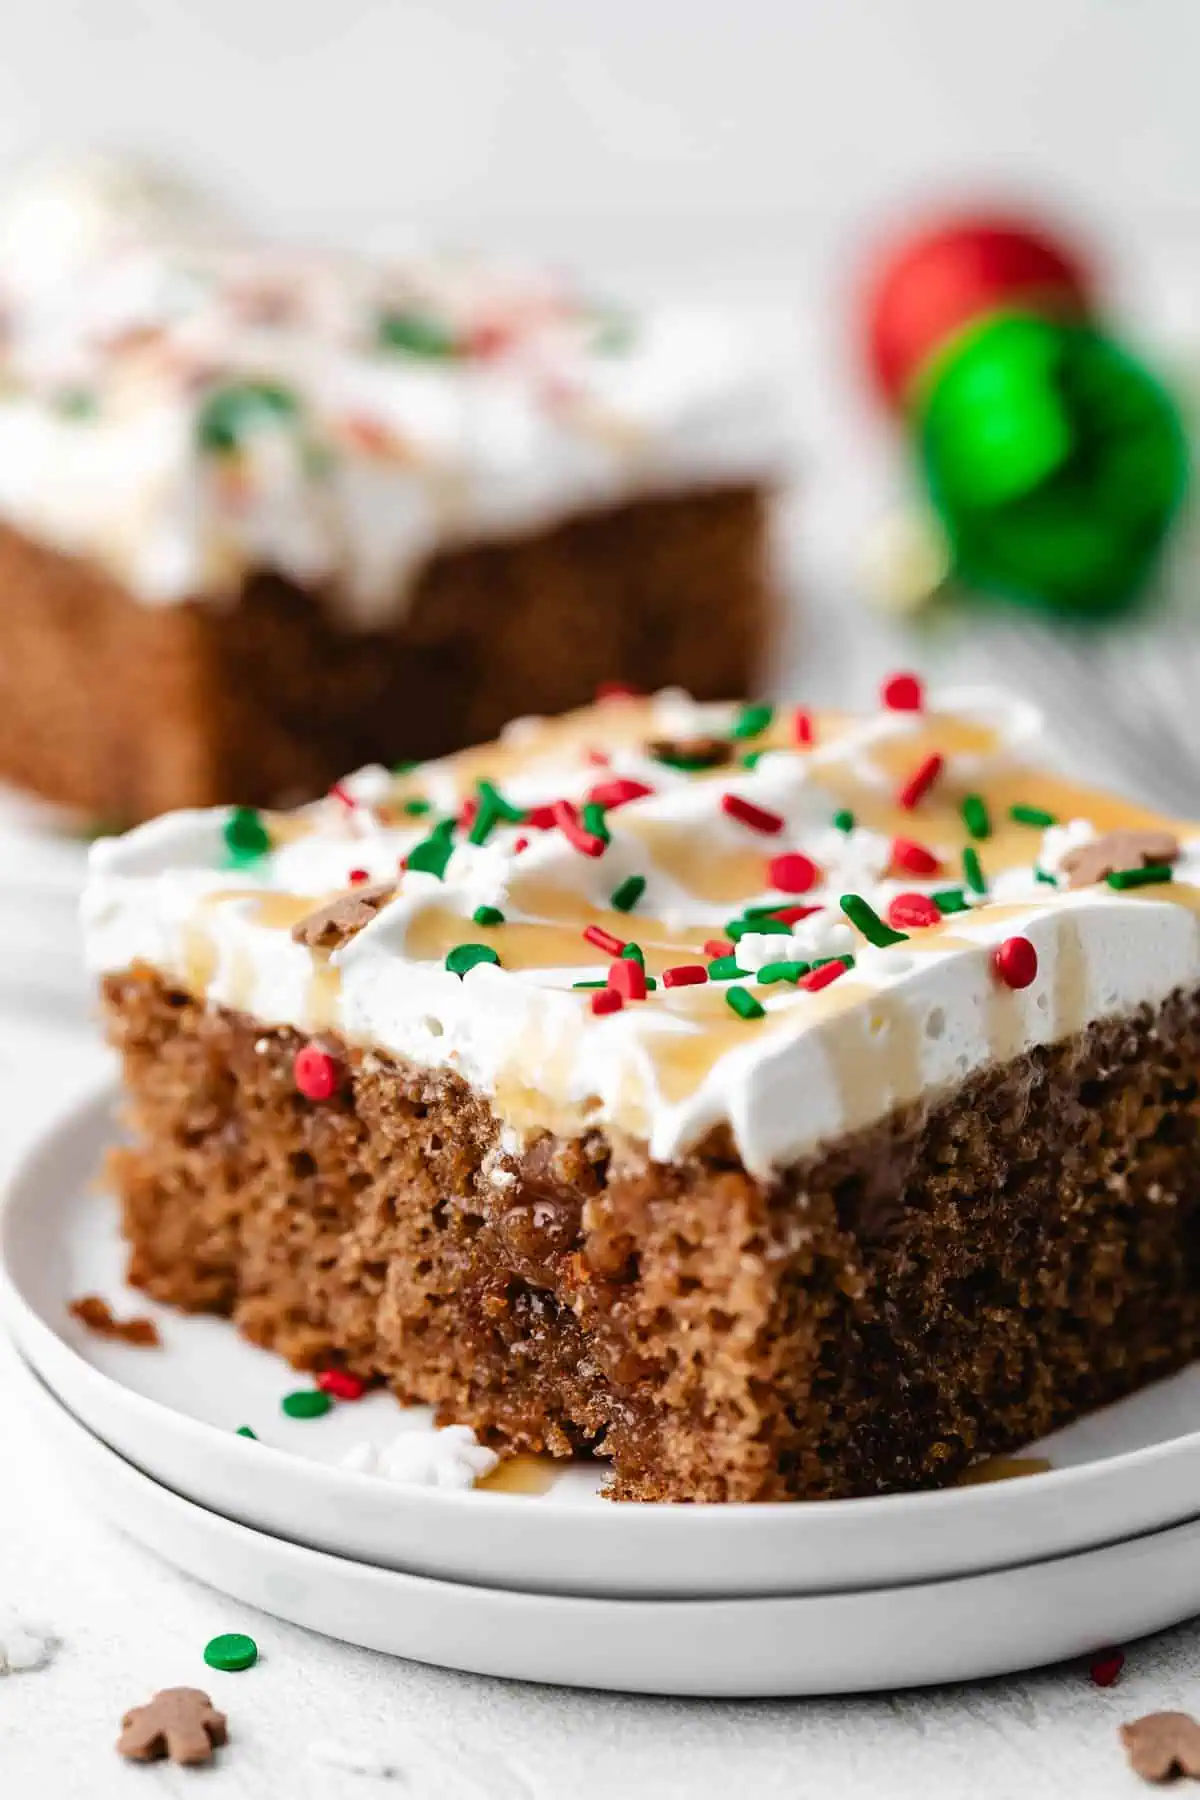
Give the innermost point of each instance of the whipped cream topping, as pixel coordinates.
(186, 406)
(722, 852)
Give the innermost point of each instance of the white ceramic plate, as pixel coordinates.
(173, 1412)
(814, 1644)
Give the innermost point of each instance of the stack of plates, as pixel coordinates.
(554, 1583)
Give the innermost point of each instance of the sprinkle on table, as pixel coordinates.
(949, 900)
(823, 973)
(627, 977)
(973, 871)
(756, 817)
(604, 940)
(752, 721)
(1146, 876)
(975, 816)
(315, 1072)
(231, 1652)
(793, 873)
(763, 924)
(864, 918)
(464, 957)
(913, 858)
(1015, 962)
(306, 1403)
(915, 911)
(246, 1431)
(627, 893)
(608, 1000)
(804, 729)
(914, 790)
(1105, 1667)
(743, 1003)
(487, 915)
(718, 947)
(1032, 815)
(684, 975)
(782, 971)
(588, 843)
(843, 820)
(342, 1384)
(903, 692)
(245, 834)
(724, 968)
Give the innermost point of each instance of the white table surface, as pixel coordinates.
(1125, 705)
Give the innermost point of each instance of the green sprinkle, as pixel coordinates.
(651, 984)
(752, 758)
(76, 403)
(975, 816)
(627, 893)
(863, 916)
(843, 820)
(231, 1651)
(634, 953)
(1147, 876)
(752, 721)
(676, 760)
(415, 334)
(487, 915)
(846, 961)
(592, 819)
(1044, 876)
(763, 909)
(306, 1403)
(245, 1431)
(231, 414)
(589, 984)
(724, 968)
(417, 809)
(493, 809)
(761, 922)
(245, 834)
(405, 768)
(431, 855)
(782, 971)
(743, 1003)
(1032, 815)
(972, 872)
(613, 333)
(469, 956)
(443, 831)
(950, 900)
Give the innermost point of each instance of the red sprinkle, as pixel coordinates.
(912, 910)
(315, 1073)
(616, 690)
(603, 940)
(903, 693)
(803, 729)
(522, 843)
(468, 813)
(1106, 1666)
(791, 915)
(820, 978)
(718, 947)
(568, 822)
(356, 877)
(599, 759)
(756, 817)
(339, 792)
(606, 1000)
(541, 818)
(684, 975)
(1015, 962)
(341, 1384)
(618, 792)
(920, 781)
(627, 978)
(794, 873)
(914, 858)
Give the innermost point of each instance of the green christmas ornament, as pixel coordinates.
(1053, 459)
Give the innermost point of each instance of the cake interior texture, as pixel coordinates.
(955, 1280)
(123, 710)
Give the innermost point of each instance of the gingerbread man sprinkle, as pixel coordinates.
(181, 1723)
(1163, 1745)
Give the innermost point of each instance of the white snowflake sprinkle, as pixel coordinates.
(450, 1458)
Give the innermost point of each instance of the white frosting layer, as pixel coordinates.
(908, 1020)
(495, 403)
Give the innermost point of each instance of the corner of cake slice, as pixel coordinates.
(780, 1104)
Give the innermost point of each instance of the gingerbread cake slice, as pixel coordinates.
(267, 514)
(779, 1104)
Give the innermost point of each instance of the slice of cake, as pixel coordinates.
(780, 1104)
(267, 514)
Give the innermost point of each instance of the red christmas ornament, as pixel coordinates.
(941, 279)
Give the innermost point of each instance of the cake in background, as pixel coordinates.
(268, 513)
